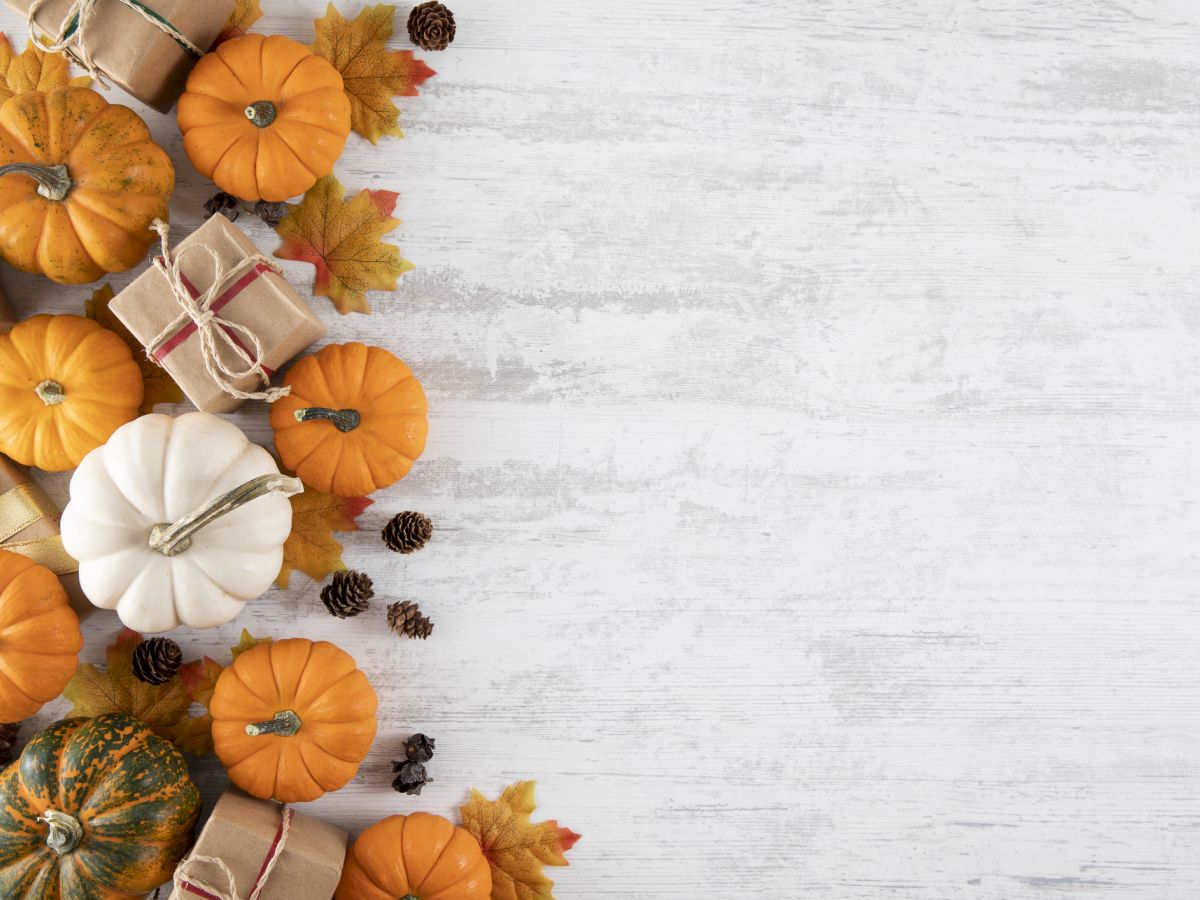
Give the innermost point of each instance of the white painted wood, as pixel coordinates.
(814, 392)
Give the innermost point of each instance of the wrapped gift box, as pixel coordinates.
(29, 526)
(247, 835)
(127, 45)
(260, 301)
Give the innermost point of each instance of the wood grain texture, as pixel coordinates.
(814, 421)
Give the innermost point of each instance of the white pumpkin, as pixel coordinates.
(177, 521)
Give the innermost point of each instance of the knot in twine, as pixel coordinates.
(72, 34)
(186, 880)
(212, 331)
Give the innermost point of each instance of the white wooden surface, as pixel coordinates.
(814, 414)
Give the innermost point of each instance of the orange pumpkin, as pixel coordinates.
(354, 422)
(420, 856)
(66, 384)
(40, 638)
(264, 117)
(293, 719)
(80, 182)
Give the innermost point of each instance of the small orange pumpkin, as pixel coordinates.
(66, 384)
(293, 719)
(420, 856)
(80, 182)
(40, 638)
(354, 422)
(264, 117)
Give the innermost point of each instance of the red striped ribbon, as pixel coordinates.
(266, 863)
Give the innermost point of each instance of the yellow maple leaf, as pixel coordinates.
(342, 238)
(516, 847)
(248, 642)
(33, 70)
(160, 386)
(245, 13)
(311, 547)
(371, 73)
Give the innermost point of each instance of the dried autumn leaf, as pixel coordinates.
(115, 689)
(33, 70)
(245, 13)
(342, 239)
(311, 547)
(200, 679)
(248, 642)
(516, 847)
(160, 387)
(372, 73)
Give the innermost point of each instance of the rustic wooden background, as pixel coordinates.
(814, 424)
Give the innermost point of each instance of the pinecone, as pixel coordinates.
(223, 203)
(271, 213)
(410, 777)
(348, 594)
(405, 618)
(419, 748)
(431, 26)
(408, 532)
(157, 660)
(8, 742)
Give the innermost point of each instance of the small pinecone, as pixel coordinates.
(410, 777)
(419, 749)
(157, 660)
(223, 203)
(431, 26)
(405, 618)
(271, 213)
(8, 742)
(408, 532)
(348, 594)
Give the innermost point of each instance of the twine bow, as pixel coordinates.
(72, 34)
(212, 331)
(186, 880)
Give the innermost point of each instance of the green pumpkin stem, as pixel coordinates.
(54, 182)
(172, 538)
(285, 723)
(261, 113)
(343, 419)
(64, 833)
(50, 392)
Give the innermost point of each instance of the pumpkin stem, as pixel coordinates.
(342, 419)
(285, 723)
(261, 113)
(65, 832)
(54, 182)
(50, 392)
(172, 538)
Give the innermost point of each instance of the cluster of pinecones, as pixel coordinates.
(410, 771)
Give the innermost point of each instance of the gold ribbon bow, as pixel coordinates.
(22, 506)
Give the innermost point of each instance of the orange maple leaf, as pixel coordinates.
(311, 547)
(371, 73)
(160, 386)
(33, 70)
(516, 848)
(245, 13)
(342, 238)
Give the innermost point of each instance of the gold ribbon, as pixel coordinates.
(21, 507)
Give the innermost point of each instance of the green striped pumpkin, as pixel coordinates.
(95, 809)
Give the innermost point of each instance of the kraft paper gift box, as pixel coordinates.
(258, 300)
(147, 47)
(302, 861)
(29, 526)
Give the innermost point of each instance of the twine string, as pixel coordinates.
(186, 880)
(213, 331)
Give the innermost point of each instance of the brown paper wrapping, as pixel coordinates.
(240, 833)
(8, 318)
(134, 53)
(268, 306)
(21, 499)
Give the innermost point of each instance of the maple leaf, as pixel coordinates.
(342, 239)
(311, 547)
(371, 73)
(245, 13)
(33, 70)
(248, 642)
(515, 847)
(160, 386)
